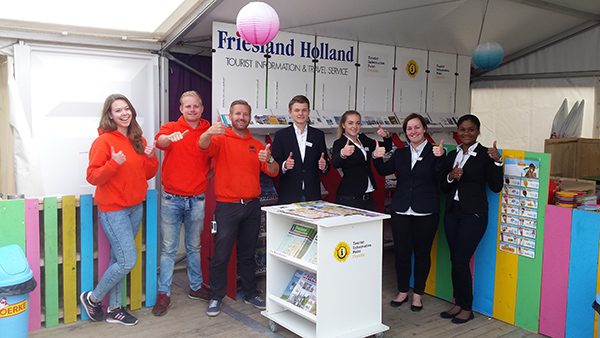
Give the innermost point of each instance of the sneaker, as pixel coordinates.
(162, 305)
(121, 316)
(214, 308)
(202, 294)
(257, 302)
(93, 310)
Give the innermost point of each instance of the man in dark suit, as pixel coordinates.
(302, 153)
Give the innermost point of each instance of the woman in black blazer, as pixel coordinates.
(352, 152)
(469, 169)
(415, 206)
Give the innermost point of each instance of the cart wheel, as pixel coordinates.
(379, 335)
(272, 326)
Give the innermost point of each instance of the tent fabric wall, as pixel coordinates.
(7, 181)
(578, 53)
(519, 113)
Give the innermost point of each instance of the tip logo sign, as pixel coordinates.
(412, 68)
(342, 251)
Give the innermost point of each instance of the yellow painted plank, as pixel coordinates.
(69, 253)
(430, 284)
(136, 274)
(507, 269)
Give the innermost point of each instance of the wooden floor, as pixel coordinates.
(187, 318)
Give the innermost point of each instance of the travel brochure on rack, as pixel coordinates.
(518, 218)
(301, 291)
(321, 210)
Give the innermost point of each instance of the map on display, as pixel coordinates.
(322, 210)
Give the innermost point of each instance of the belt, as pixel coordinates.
(245, 201)
(179, 195)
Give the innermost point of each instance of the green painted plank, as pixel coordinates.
(51, 260)
(529, 279)
(12, 223)
(443, 277)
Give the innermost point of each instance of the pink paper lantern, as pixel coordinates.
(257, 23)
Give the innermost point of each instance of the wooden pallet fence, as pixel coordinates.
(67, 252)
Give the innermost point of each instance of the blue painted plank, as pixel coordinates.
(151, 247)
(583, 267)
(484, 269)
(86, 215)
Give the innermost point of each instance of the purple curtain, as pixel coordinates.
(181, 80)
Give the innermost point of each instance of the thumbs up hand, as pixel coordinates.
(493, 152)
(438, 150)
(117, 157)
(379, 151)
(218, 128)
(264, 155)
(322, 162)
(149, 150)
(177, 136)
(347, 150)
(456, 173)
(289, 162)
(382, 132)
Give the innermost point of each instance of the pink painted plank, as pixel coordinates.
(32, 248)
(103, 258)
(555, 267)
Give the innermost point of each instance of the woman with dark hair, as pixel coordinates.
(469, 169)
(415, 207)
(120, 164)
(352, 152)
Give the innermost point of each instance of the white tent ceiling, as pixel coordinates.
(454, 26)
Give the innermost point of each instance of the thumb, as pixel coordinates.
(322, 156)
(347, 141)
(219, 118)
(112, 150)
(494, 144)
(378, 125)
(376, 144)
(185, 132)
(441, 143)
(268, 146)
(290, 155)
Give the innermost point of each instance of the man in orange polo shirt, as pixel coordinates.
(184, 172)
(238, 159)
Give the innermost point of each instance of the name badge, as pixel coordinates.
(308, 144)
(366, 148)
(473, 154)
(419, 159)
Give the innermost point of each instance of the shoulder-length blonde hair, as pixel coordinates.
(134, 131)
(343, 120)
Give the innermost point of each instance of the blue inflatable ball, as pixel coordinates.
(488, 55)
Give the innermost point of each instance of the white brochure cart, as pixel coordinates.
(348, 272)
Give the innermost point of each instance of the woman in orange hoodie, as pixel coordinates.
(120, 164)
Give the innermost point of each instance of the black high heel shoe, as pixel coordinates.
(394, 303)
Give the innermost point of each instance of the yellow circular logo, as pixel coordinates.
(342, 251)
(412, 68)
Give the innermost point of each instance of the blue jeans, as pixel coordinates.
(120, 228)
(175, 210)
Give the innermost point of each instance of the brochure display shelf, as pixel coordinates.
(348, 272)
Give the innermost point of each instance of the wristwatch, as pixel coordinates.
(271, 160)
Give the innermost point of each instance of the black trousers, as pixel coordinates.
(241, 223)
(413, 234)
(464, 232)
